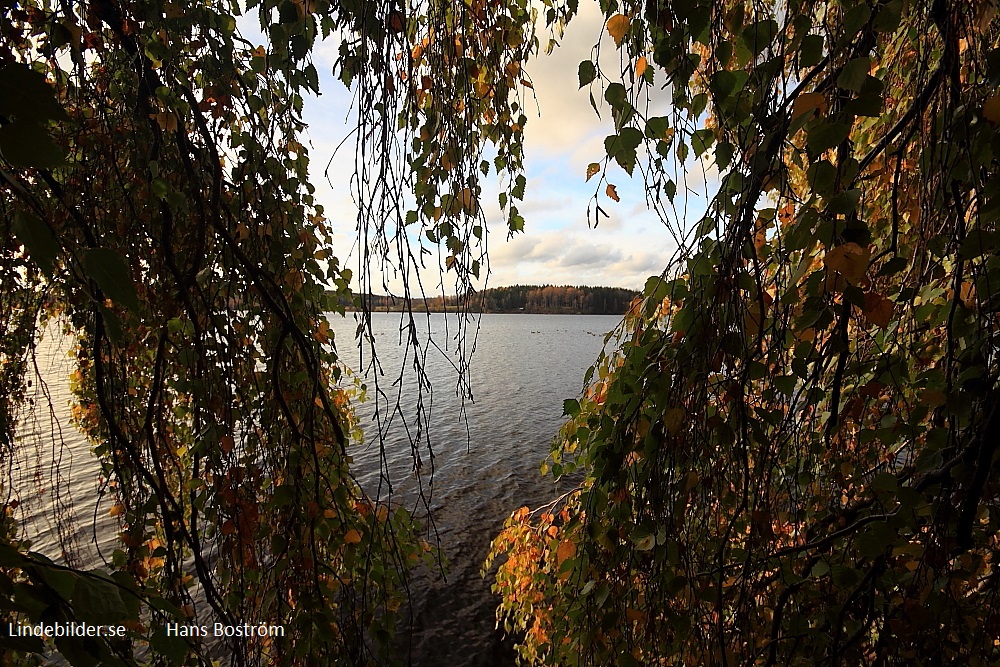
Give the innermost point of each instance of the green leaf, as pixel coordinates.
(758, 36)
(9, 556)
(698, 104)
(786, 384)
(820, 569)
(174, 649)
(97, 600)
(288, 12)
(811, 51)
(108, 269)
(113, 324)
(888, 16)
(853, 76)
(893, 266)
(615, 95)
(25, 143)
(38, 240)
(723, 155)
(866, 104)
(657, 126)
(825, 136)
(724, 83)
(622, 147)
(587, 73)
(855, 19)
(571, 407)
(63, 582)
(24, 93)
(874, 539)
(844, 202)
(25, 644)
(976, 244)
(701, 141)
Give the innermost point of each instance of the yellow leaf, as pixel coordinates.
(991, 110)
(116, 510)
(617, 27)
(878, 309)
(640, 67)
(849, 260)
(612, 192)
(592, 170)
(809, 102)
(352, 536)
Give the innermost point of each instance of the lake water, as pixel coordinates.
(485, 461)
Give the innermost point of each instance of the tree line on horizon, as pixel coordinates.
(532, 299)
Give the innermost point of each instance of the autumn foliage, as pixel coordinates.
(790, 458)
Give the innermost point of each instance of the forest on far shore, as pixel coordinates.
(545, 299)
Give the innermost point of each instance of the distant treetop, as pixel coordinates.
(565, 299)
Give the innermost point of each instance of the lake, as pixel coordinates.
(485, 456)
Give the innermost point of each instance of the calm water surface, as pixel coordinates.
(485, 457)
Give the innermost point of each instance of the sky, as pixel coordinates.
(558, 246)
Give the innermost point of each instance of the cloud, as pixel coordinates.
(580, 257)
(558, 246)
(589, 255)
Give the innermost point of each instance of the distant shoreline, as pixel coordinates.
(516, 300)
(452, 309)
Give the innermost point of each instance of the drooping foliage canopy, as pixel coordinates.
(788, 460)
(156, 206)
(791, 457)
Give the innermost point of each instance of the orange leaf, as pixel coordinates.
(592, 169)
(617, 27)
(566, 549)
(612, 192)
(849, 260)
(809, 102)
(640, 67)
(352, 536)
(786, 214)
(878, 309)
